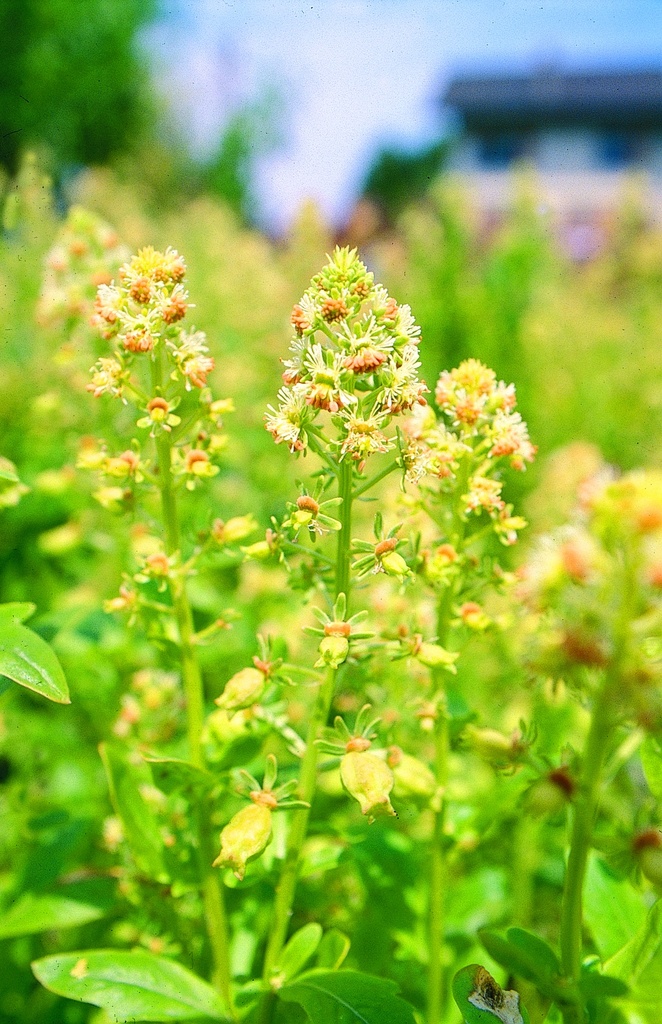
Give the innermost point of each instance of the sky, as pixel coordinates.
(356, 75)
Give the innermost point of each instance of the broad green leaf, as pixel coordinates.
(593, 985)
(523, 959)
(639, 965)
(171, 773)
(17, 610)
(130, 986)
(481, 1000)
(635, 957)
(613, 910)
(347, 997)
(332, 950)
(140, 826)
(26, 659)
(70, 905)
(539, 951)
(651, 761)
(298, 951)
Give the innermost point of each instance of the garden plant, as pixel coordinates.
(345, 754)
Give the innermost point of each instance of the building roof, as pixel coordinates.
(548, 96)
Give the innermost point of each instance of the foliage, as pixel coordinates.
(73, 79)
(235, 719)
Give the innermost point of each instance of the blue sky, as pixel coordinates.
(358, 74)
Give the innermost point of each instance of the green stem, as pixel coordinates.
(375, 479)
(580, 843)
(438, 862)
(344, 536)
(285, 892)
(437, 981)
(214, 909)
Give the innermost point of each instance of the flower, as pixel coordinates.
(108, 378)
(286, 424)
(160, 416)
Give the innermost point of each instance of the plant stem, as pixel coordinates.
(214, 908)
(375, 479)
(308, 776)
(582, 829)
(438, 864)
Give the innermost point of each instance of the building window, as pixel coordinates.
(617, 149)
(498, 151)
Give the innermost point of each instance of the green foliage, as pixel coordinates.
(26, 659)
(113, 860)
(73, 79)
(130, 986)
(398, 177)
(347, 997)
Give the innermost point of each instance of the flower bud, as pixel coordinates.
(496, 748)
(243, 690)
(260, 550)
(236, 529)
(245, 837)
(473, 616)
(369, 780)
(436, 656)
(550, 795)
(412, 778)
(394, 564)
(333, 651)
(647, 848)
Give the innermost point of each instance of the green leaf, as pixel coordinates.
(71, 905)
(594, 985)
(298, 951)
(651, 761)
(332, 950)
(639, 964)
(130, 986)
(17, 610)
(8, 471)
(26, 659)
(481, 1000)
(171, 773)
(613, 910)
(347, 997)
(140, 826)
(525, 955)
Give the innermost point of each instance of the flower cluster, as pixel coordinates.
(477, 431)
(144, 314)
(86, 254)
(354, 355)
(595, 591)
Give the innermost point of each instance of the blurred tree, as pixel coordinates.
(250, 133)
(71, 78)
(397, 177)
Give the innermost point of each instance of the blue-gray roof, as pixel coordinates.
(619, 99)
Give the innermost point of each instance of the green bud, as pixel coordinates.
(412, 778)
(550, 795)
(647, 848)
(243, 690)
(237, 528)
(245, 837)
(369, 780)
(394, 564)
(260, 550)
(223, 727)
(436, 656)
(493, 746)
(333, 651)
